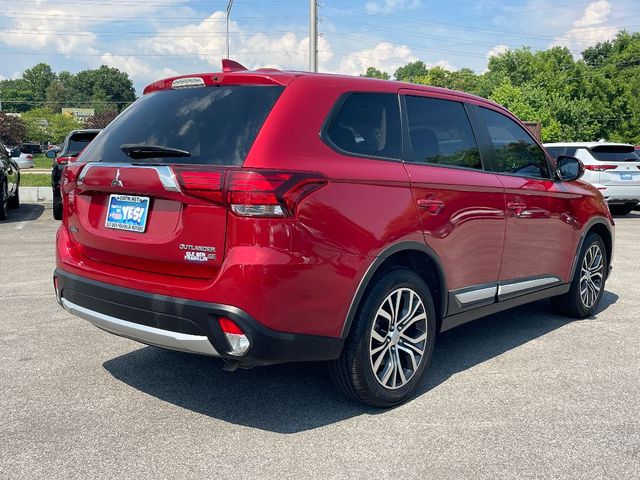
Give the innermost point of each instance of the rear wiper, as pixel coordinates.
(142, 150)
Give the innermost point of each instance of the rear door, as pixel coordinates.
(461, 206)
(148, 198)
(540, 226)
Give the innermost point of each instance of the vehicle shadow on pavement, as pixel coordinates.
(26, 213)
(297, 397)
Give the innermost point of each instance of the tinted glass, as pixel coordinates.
(515, 151)
(216, 125)
(555, 152)
(368, 124)
(440, 133)
(610, 153)
(78, 142)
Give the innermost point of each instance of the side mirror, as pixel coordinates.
(51, 154)
(15, 153)
(569, 168)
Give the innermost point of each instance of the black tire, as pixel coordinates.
(14, 202)
(3, 202)
(572, 303)
(57, 208)
(354, 372)
(624, 209)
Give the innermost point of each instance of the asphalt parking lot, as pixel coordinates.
(522, 394)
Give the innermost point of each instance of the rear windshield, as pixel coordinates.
(610, 153)
(78, 141)
(216, 125)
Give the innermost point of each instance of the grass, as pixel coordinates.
(35, 179)
(42, 161)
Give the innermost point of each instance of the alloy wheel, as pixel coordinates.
(591, 275)
(398, 338)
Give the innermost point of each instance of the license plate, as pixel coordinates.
(626, 176)
(127, 212)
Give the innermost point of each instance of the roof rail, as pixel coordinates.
(229, 65)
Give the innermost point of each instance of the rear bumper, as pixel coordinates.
(620, 193)
(184, 325)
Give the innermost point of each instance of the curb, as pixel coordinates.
(36, 195)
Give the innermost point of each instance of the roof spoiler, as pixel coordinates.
(229, 65)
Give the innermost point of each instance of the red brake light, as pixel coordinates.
(204, 184)
(250, 193)
(29, 157)
(600, 168)
(64, 160)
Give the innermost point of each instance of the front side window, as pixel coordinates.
(515, 151)
(440, 133)
(368, 124)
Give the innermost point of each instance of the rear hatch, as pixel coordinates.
(143, 193)
(617, 164)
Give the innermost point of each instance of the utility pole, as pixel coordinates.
(229, 5)
(313, 35)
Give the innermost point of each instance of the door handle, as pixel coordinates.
(517, 206)
(431, 205)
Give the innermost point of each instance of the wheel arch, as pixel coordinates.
(603, 229)
(416, 256)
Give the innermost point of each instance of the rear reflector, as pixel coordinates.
(249, 193)
(600, 168)
(238, 341)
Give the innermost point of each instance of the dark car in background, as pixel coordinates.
(9, 181)
(75, 142)
(31, 148)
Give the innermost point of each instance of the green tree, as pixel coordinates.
(411, 71)
(16, 95)
(39, 78)
(44, 125)
(373, 72)
(106, 84)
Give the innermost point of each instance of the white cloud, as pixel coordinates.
(384, 56)
(136, 68)
(389, 6)
(497, 50)
(592, 27)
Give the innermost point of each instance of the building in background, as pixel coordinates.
(80, 114)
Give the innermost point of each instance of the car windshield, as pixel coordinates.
(215, 125)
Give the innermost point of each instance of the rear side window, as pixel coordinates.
(216, 125)
(615, 153)
(440, 133)
(78, 141)
(367, 124)
(515, 152)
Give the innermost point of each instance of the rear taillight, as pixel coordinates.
(600, 168)
(250, 193)
(29, 157)
(64, 160)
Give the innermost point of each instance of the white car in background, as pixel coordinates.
(24, 160)
(613, 168)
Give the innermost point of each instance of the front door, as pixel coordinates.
(540, 227)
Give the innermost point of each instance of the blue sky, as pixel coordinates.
(151, 39)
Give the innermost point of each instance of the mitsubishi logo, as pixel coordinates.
(116, 181)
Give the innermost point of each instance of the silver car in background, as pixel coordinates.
(24, 160)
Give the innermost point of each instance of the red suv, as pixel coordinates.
(267, 216)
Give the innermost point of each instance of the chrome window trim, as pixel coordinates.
(165, 173)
